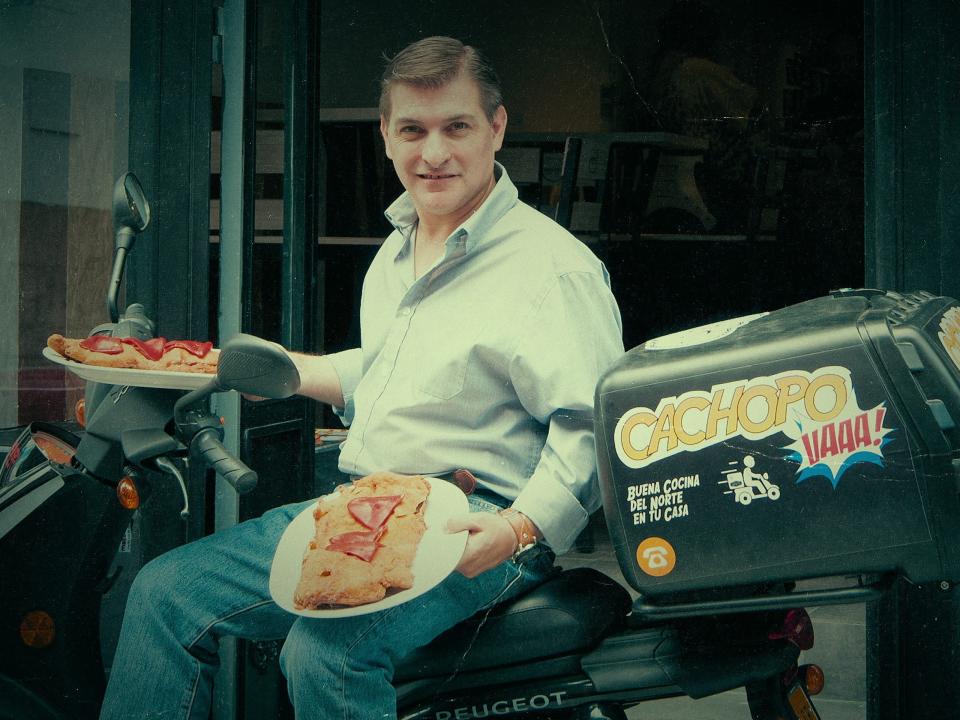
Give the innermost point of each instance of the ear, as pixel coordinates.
(384, 133)
(499, 125)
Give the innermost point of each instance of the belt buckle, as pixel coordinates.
(461, 477)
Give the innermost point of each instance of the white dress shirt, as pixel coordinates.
(487, 362)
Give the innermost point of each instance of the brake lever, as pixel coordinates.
(168, 466)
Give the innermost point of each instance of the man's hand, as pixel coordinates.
(491, 541)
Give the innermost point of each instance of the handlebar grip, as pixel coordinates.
(208, 446)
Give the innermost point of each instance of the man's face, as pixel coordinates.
(442, 146)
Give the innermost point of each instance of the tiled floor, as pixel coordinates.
(839, 649)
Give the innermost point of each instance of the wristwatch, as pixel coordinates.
(523, 528)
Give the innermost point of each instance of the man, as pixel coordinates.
(485, 328)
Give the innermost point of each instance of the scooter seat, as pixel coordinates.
(568, 613)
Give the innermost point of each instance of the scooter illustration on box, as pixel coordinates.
(747, 485)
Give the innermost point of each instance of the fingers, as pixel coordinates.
(491, 541)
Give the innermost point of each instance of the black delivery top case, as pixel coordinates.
(817, 440)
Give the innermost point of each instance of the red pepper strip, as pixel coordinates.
(372, 512)
(102, 344)
(194, 347)
(150, 349)
(362, 545)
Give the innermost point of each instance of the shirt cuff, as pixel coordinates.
(349, 367)
(553, 509)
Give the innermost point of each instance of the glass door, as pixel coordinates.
(64, 88)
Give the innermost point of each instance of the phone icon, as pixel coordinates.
(656, 557)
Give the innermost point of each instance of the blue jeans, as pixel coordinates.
(184, 601)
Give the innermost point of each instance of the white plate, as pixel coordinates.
(131, 376)
(437, 556)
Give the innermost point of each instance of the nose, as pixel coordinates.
(435, 150)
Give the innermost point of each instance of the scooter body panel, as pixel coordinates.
(525, 659)
(122, 408)
(56, 561)
(23, 501)
(18, 703)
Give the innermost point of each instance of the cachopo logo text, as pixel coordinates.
(754, 408)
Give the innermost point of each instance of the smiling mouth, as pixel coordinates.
(435, 176)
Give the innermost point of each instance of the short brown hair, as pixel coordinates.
(435, 61)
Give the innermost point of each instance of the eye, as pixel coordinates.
(410, 130)
(459, 126)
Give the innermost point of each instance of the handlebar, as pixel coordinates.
(207, 445)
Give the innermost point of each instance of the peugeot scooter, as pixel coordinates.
(576, 647)
(575, 650)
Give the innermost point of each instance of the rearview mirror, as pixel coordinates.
(256, 366)
(131, 211)
(131, 215)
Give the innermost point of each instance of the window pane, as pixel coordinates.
(64, 86)
(721, 170)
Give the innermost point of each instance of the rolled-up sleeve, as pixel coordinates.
(349, 367)
(572, 335)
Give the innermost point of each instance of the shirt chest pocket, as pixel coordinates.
(441, 373)
(455, 349)
(452, 359)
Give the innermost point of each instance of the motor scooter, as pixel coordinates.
(575, 647)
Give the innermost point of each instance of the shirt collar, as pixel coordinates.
(403, 215)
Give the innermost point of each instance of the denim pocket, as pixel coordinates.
(519, 575)
(481, 504)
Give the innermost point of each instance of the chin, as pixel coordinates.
(439, 208)
(437, 201)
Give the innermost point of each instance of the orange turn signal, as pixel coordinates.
(813, 679)
(127, 493)
(37, 629)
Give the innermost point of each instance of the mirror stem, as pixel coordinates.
(119, 261)
(125, 239)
